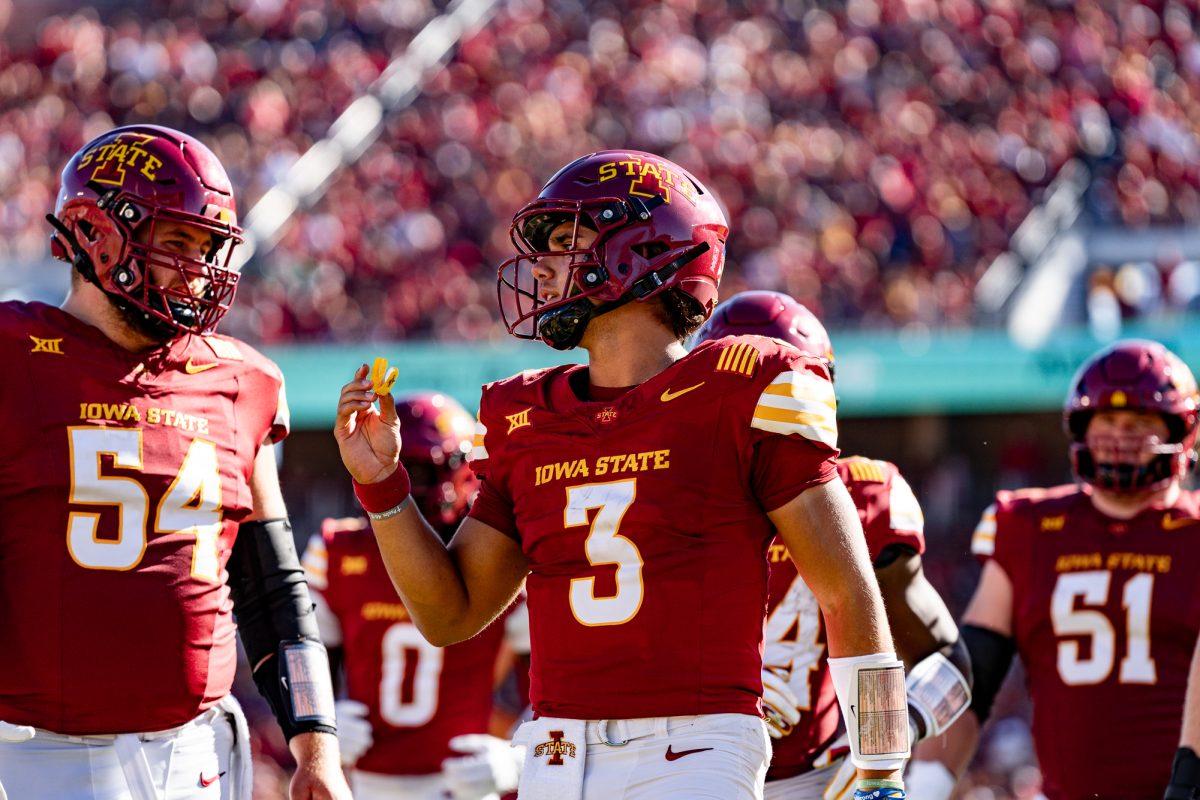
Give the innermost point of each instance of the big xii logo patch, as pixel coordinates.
(556, 748)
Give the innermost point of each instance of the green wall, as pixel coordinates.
(878, 373)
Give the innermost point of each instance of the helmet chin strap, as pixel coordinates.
(562, 328)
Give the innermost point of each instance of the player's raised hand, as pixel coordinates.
(368, 439)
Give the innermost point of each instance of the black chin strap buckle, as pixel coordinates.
(653, 281)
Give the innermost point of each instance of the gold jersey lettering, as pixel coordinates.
(1071, 562)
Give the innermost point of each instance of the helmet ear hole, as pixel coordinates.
(649, 250)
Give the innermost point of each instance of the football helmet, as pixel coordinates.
(773, 314)
(656, 228)
(1134, 375)
(115, 190)
(436, 434)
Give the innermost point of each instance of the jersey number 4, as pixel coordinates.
(1092, 587)
(191, 505)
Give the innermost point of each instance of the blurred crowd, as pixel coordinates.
(875, 155)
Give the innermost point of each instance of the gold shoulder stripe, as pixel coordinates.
(866, 471)
(741, 359)
(478, 450)
(983, 541)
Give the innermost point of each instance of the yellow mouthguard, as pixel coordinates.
(383, 378)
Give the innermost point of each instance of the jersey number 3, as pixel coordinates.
(191, 505)
(605, 546)
(1092, 587)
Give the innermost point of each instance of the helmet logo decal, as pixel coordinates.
(111, 159)
(648, 179)
(1118, 399)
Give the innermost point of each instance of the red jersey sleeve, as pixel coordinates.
(794, 428)
(887, 507)
(494, 507)
(498, 417)
(1004, 533)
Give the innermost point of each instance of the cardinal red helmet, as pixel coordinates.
(657, 228)
(773, 314)
(436, 434)
(1134, 375)
(115, 190)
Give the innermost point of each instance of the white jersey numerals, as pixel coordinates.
(191, 505)
(405, 650)
(793, 639)
(1091, 588)
(605, 546)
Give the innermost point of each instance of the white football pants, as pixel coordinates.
(195, 761)
(706, 757)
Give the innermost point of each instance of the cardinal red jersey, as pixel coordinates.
(795, 634)
(643, 520)
(420, 696)
(123, 478)
(1105, 617)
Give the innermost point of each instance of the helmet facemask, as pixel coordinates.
(656, 227)
(1127, 463)
(112, 242)
(560, 321)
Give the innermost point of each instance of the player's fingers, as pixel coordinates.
(359, 384)
(387, 409)
(349, 406)
(353, 707)
(781, 706)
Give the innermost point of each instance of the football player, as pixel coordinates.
(1094, 585)
(639, 494)
(140, 506)
(808, 763)
(407, 700)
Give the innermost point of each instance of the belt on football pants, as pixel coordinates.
(617, 732)
(105, 739)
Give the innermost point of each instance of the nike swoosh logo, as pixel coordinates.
(672, 755)
(209, 781)
(192, 369)
(1170, 523)
(668, 395)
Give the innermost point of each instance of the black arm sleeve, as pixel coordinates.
(1185, 776)
(274, 609)
(991, 656)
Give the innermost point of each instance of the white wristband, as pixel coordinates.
(871, 693)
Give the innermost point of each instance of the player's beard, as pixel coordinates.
(144, 323)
